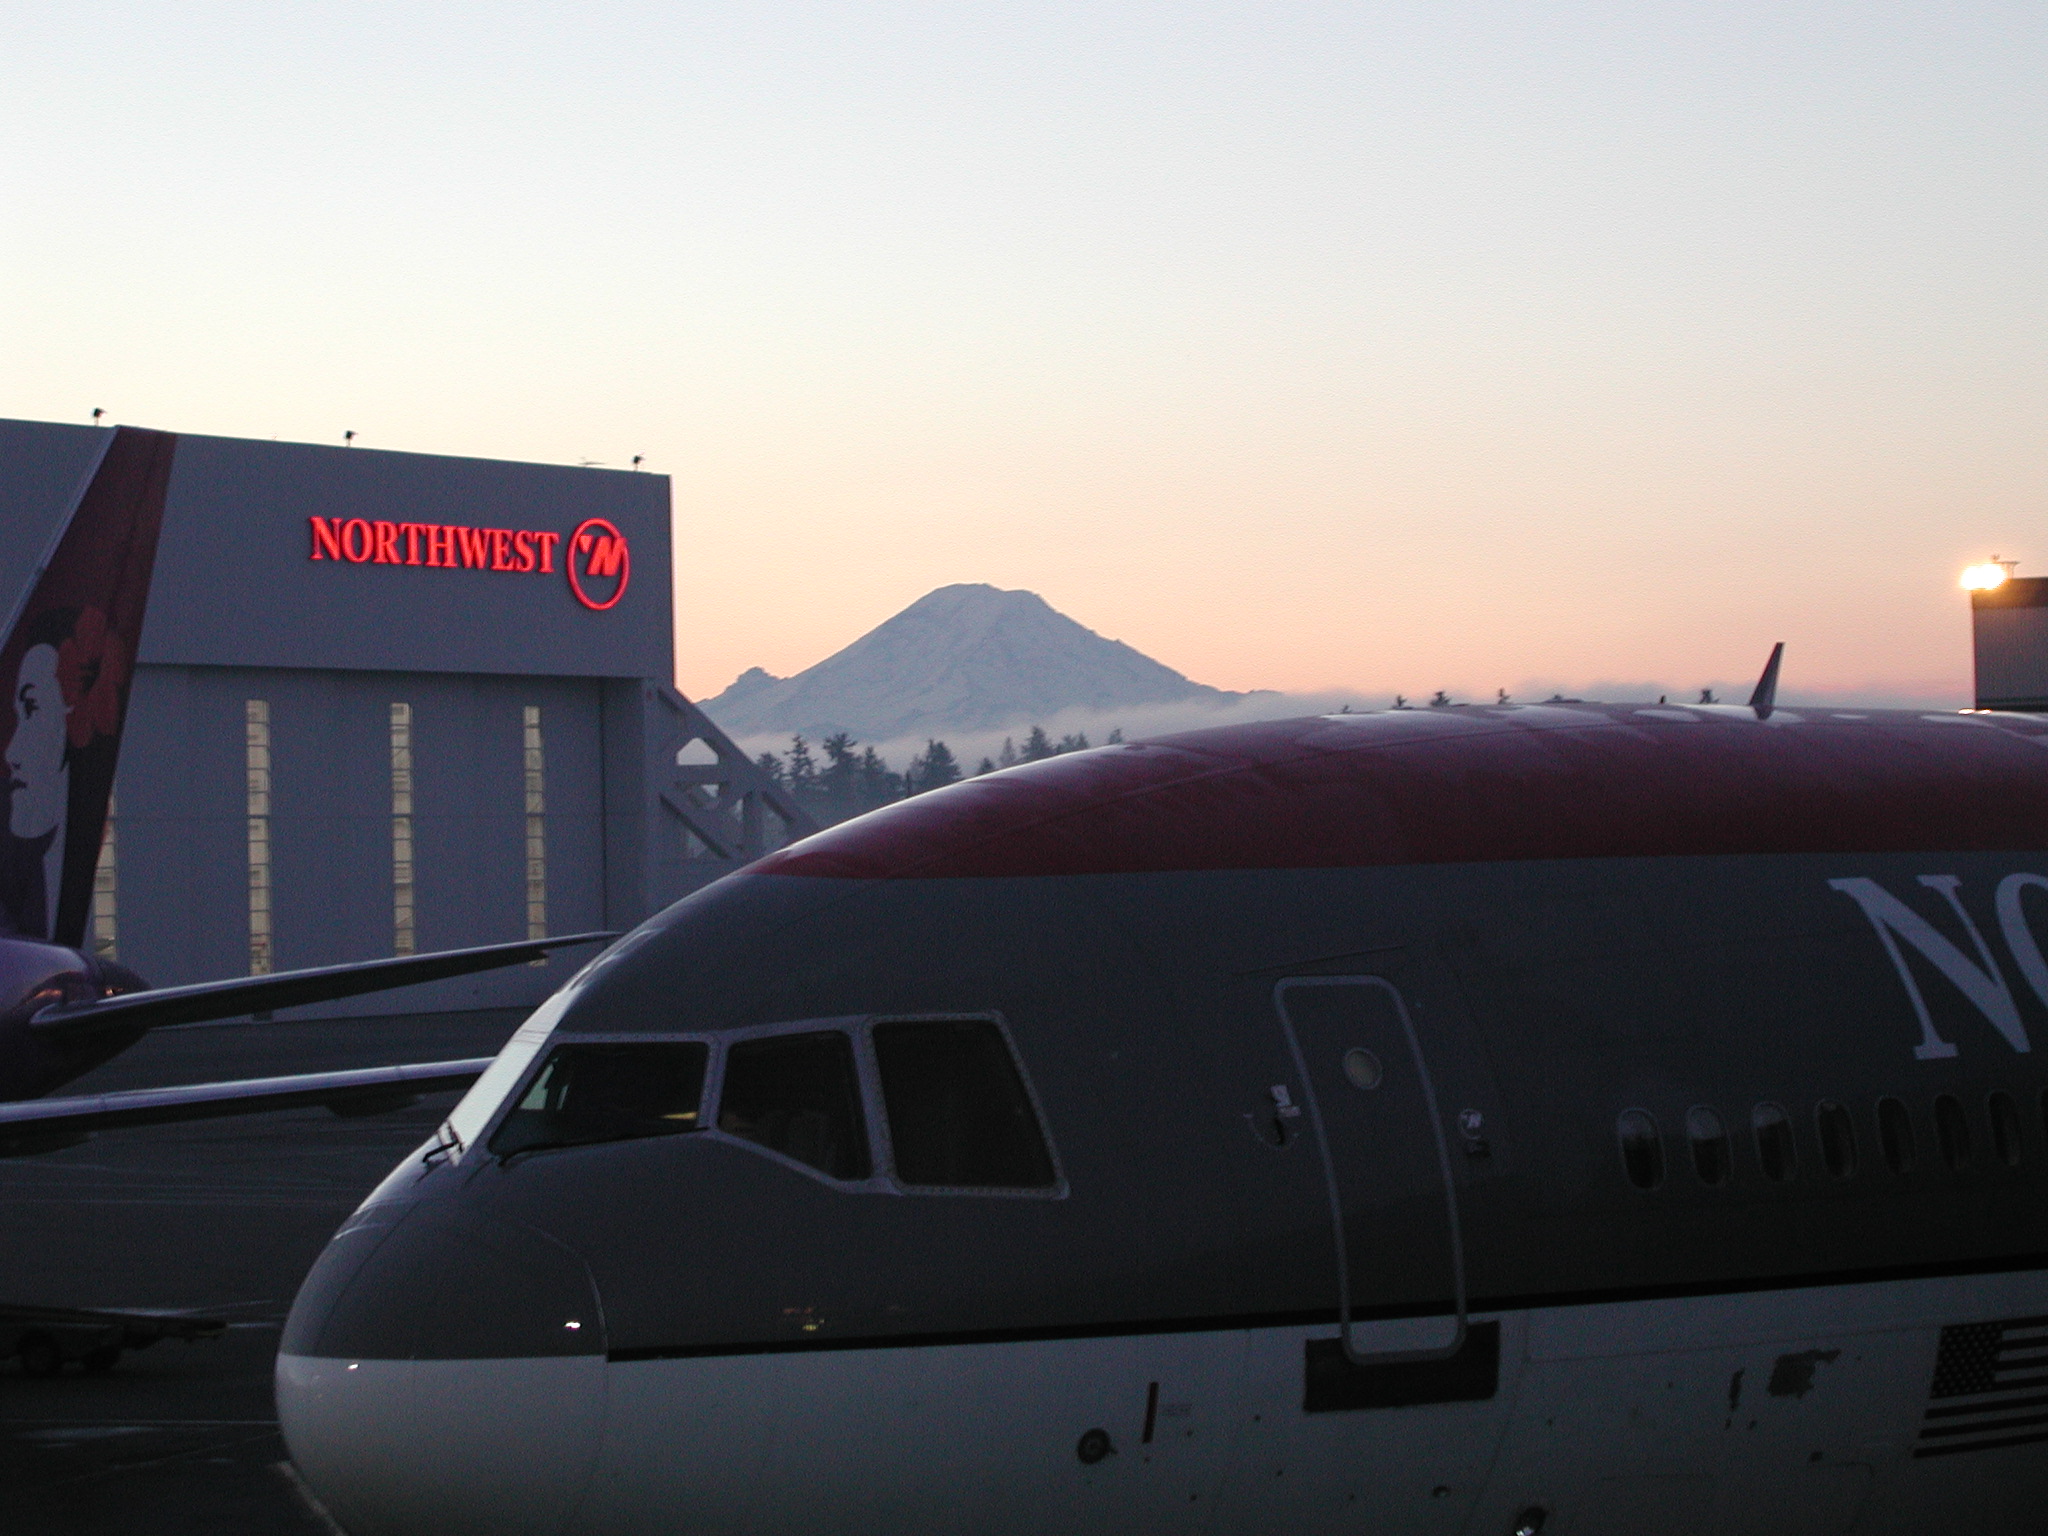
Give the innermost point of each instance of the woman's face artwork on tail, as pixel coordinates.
(70, 654)
(35, 755)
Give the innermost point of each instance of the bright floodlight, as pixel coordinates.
(1983, 578)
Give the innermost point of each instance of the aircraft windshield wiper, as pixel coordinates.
(447, 1141)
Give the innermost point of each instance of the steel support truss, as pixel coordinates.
(704, 808)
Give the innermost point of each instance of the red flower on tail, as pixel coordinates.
(92, 666)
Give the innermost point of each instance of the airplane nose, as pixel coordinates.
(444, 1372)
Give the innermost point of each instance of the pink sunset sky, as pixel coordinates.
(1379, 346)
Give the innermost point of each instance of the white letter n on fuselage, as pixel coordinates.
(1985, 987)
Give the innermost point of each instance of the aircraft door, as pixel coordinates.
(1373, 1113)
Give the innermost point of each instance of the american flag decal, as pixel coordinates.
(1990, 1388)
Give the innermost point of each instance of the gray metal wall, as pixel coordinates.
(239, 610)
(2009, 630)
(182, 884)
(235, 585)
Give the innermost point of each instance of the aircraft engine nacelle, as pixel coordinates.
(35, 976)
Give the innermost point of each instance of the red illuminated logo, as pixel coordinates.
(597, 555)
(595, 559)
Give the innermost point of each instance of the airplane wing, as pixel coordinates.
(44, 1125)
(44, 1338)
(287, 989)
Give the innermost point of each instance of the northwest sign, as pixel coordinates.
(599, 563)
(595, 558)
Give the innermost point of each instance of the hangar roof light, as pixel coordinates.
(1992, 574)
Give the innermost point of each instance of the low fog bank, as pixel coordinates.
(1141, 721)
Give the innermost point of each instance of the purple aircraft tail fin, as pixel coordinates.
(67, 662)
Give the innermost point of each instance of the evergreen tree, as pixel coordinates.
(878, 786)
(1116, 737)
(1077, 742)
(933, 768)
(988, 765)
(802, 775)
(839, 784)
(1009, 758)
(771, 765)
(1037, 746)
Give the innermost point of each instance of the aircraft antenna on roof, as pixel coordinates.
(1765, 699)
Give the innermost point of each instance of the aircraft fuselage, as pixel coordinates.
(1678, 1183)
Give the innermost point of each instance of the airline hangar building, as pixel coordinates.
(392, 703)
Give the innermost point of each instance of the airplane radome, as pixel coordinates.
(1585, 1119)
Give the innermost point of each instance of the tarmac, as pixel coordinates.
(223, 1217)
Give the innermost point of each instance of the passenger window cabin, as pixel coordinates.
(1641, 1142)
(1837, 1139)
(1776, 1152)
(1895, 1135)
(1708, 1133)
(2005, 1128)
(1952, 1132)
(1642, 1148)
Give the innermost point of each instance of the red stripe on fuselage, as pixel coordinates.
(1471, 785)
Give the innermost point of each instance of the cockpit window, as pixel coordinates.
(958, 1112)
(798, 1095)
(593, 1091)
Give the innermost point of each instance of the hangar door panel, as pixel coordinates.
(508, 808)
(395, 812)
(1392, 1202)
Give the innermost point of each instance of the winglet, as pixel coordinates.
(1765, 699)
